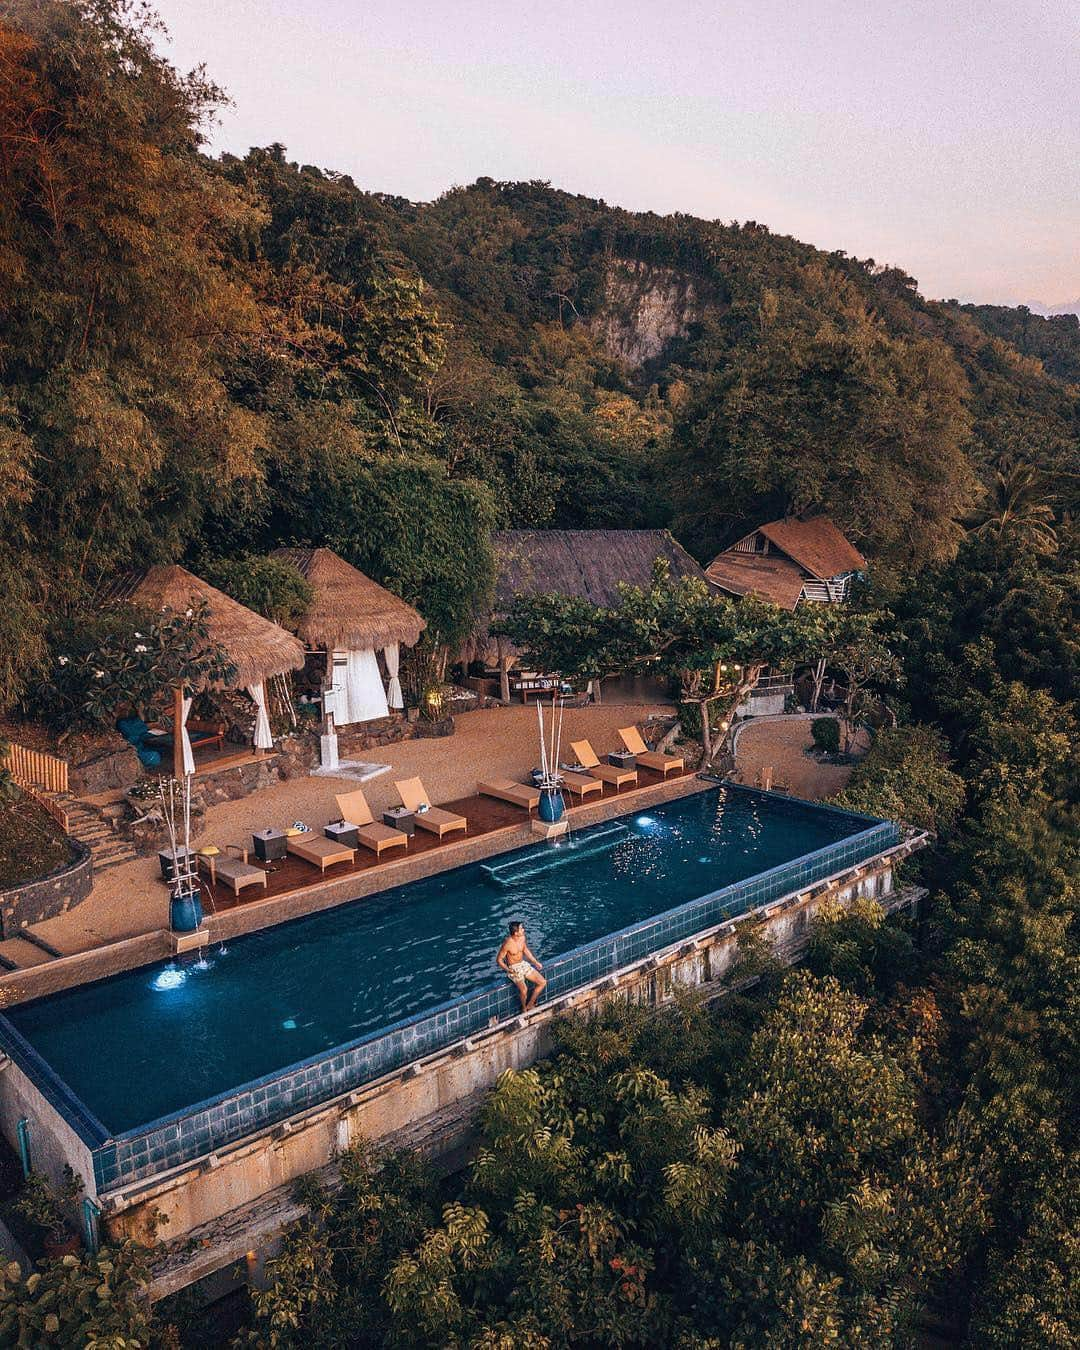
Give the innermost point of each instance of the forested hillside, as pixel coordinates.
(194, 349)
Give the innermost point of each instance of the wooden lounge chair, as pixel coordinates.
(517, 794)
(646, 758)
(580, 784)
(231, 866)
(319, 851)
(586, 757)
(413, 796)
(372, 833)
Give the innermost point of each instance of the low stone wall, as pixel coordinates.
(49, 895)
(354, 740)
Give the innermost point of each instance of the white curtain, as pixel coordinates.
(262, 738)
(393, 688)
(364, 699)
(185, 740)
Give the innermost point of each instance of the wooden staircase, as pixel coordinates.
(90, 827)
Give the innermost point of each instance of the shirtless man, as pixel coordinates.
(520, 965)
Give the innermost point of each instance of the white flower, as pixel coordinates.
(188, 613)
(138, 635)
(140, 646)
(63, 660)
(99, 674)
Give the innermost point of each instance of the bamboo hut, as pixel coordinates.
(585, 563)
(257, 648)
(350, 619)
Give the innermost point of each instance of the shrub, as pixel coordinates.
(907, 775)
(272, 587)
(826, 734)
(79, 1301)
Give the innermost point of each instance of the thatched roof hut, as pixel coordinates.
(348, 610)
(585, 563)
(257, 648)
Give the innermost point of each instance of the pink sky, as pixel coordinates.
(939, 135)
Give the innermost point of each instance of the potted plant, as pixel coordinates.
(42, 1206)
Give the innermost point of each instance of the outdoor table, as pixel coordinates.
(270, 845)
(341, 832)
(400, 818)
(171, 860)
(622, 759)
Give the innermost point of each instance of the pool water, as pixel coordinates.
(152, 1041)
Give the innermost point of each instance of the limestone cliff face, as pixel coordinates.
(644, 308)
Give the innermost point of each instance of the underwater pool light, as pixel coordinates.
(289, 1024)
(170, 978)
(646, 822)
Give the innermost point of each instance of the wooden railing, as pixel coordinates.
(826, 592)
(49, 804)
(36, 769)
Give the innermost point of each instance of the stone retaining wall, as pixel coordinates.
(47, 896)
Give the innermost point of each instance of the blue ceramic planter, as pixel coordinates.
(185, 913)
(551, 805)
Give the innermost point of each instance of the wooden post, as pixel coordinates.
(178, 734)
(504, 671)
(328, 684)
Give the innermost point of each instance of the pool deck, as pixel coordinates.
(129, 901)
(496, 828)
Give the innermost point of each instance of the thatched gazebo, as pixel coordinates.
(350, 618)
(257, 648)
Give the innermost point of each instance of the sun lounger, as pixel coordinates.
(580, 784)
(436, 821)
(320, 852)
(586, 757)
(517, 794)
(232, 868)
(646, 758)
(372, 833)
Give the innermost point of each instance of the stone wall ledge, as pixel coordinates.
(45, 897)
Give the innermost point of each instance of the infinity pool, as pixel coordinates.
(150, 1042)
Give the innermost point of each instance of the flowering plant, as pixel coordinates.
(111, 661)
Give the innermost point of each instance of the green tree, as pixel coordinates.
(270, 586)
(1018, 502)
(714, 647)
(907, 776)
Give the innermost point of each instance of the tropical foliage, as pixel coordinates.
(124, 659)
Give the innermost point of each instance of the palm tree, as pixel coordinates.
(1017, 503)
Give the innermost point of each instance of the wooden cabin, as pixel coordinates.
(787, 561)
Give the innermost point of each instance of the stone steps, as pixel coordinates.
(107, 848)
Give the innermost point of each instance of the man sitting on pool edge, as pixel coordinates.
(520, 965)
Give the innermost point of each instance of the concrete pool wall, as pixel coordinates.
(237, 1201)
(196, 1180)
